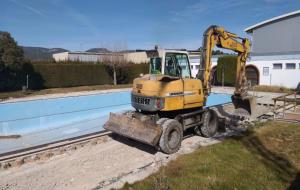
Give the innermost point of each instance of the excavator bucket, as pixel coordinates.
(248, 103)
(134, 128)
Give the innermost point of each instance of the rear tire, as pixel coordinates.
(210, 124)
(171, 137)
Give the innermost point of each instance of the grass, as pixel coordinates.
(267, 88)
(267, 157)
(18, 94)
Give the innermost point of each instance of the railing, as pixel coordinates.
(290, 100)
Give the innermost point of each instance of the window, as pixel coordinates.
(176, 63)
(155, 65)
(277, 66)
(266, 71)
(290, 66)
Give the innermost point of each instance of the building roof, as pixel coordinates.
(269, 21)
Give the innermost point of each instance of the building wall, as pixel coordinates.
(278, 37)
(195, 63)
(137, 57)
(279, 77)
(61, 56)
(84, 57)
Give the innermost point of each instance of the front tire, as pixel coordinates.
(210, 124)
(171, 137)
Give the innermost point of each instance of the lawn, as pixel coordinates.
(265, 157)
(18, 94)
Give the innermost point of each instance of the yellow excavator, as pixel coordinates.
(168, 100)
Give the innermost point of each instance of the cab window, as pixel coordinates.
(155, 65)
(175, 64)
(184, 64)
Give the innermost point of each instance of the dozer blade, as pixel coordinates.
(248, 103)
(129, 126)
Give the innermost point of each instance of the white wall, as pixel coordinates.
(137, 57)
(61, 56)
(283, 77)
(195, 62)
(279, 77)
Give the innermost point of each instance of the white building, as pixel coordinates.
(275, 52)
(195, 62)
(135, 57)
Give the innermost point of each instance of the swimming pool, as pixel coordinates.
(46, 120)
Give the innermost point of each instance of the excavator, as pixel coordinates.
(168, 100)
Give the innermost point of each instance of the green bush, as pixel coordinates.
(228, 65)
(135, 70)
(67, 75)
(14, 78)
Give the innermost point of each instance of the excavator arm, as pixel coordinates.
(217, 36)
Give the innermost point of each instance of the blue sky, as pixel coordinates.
(130, 24)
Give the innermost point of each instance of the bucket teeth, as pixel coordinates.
(129, 126)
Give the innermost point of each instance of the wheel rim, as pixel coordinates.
(173, 139)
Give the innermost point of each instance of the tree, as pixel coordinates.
(13, 68)
(11, 55)
(115, 61)
(217, 52)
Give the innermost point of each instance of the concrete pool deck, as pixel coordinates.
(62, 95)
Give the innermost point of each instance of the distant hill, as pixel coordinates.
(40, 53)
(98, 50)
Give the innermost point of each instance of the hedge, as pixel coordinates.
(57, 75)
(135, 70)
(228, 64)
(14, 78)
(67, 75)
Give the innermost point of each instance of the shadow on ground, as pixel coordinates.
(133, 143)
(285, 170)
(295, 185)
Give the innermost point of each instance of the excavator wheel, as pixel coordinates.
(210, 124)
(171, 137)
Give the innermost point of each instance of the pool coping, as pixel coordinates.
(64, 95)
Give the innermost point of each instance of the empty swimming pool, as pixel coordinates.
(47, 120)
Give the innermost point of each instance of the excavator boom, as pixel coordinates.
(217, 36)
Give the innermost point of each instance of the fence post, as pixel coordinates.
(283, 111)
(27, 82)
(274, 108)
(295, 101)
(223, 76)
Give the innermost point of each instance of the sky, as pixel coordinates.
(78, 25)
